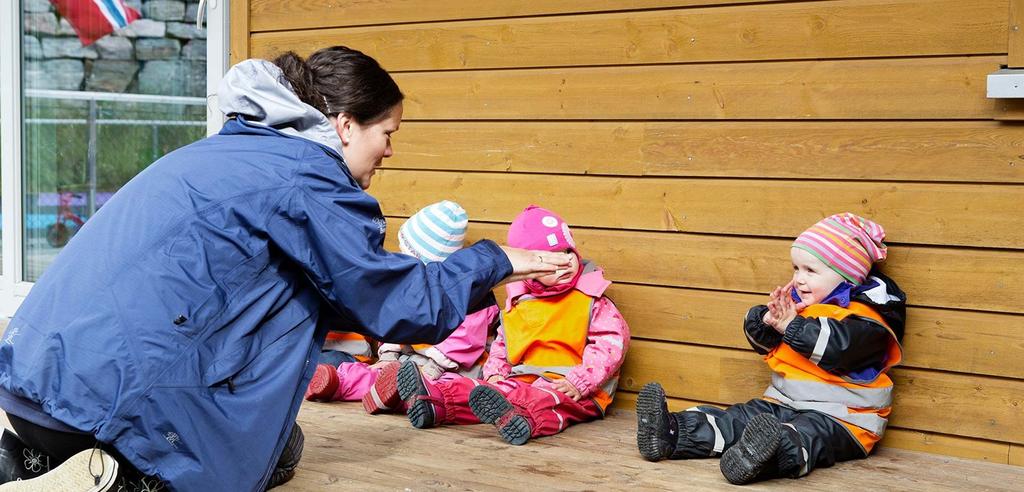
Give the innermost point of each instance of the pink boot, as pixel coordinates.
(324, 383)
(383, 395)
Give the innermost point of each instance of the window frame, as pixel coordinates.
(13, 287)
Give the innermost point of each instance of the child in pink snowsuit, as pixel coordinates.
(431, 234)
(555, 361)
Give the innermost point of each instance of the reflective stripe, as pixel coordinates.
(553, 395)
(816, 391)
(561, 421)
(822, 343)
(539, 370)
(610, 386)
(719, 439)
(613, 340)
(804, 468)
(376, 398)
(871, 422)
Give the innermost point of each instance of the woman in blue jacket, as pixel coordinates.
(179, 327)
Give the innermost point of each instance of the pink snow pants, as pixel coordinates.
(548, 411)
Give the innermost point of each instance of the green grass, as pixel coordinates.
(56, 154)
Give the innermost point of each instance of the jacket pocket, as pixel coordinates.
(286, 326)
(192, 320)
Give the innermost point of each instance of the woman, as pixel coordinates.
(181, 324)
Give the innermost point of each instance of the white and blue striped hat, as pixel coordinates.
(434, 232)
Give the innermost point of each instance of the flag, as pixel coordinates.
(93, 19)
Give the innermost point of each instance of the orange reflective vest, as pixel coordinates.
(354, 344)
(545, 337)
(862, 406)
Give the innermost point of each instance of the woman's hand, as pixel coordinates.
(495, 378)
(528, 264)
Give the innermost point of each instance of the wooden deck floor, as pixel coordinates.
(347, 449)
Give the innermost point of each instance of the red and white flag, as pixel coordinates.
(93, 19)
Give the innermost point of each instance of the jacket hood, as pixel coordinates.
(258, 91)
(881, 293)
(591, 282)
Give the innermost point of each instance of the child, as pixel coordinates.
(431, 234)
(555, 361)
(829, 336)
(344, 346)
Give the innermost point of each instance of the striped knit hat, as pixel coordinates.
(846, 243)
(434, 232)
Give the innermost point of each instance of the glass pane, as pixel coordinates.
(100, 103)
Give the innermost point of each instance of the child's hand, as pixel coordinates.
(566, 387)
(785, 309)
(495, 378)
(771, 317)
(432, 370)
(781, 308)
(383, 362)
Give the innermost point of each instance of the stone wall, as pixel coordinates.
(161, 53)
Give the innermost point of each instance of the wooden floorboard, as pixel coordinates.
(347, 449)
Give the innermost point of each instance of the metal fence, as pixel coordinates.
(93, 121)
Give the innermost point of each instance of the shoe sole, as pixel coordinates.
(410, 385)
(383, 395)
(744, 460)
(322, 386)
(489, 405)
(651, 418)
(74, 475)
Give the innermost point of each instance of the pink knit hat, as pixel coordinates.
(540, 228)
(846, 243)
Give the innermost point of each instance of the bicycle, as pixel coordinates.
(58, 234)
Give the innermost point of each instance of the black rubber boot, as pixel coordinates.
(656, 430)
(411, 389)
(491, 407)
(754, 452)
(18, 461)
(290, 456)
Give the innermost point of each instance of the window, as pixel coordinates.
(90, 98)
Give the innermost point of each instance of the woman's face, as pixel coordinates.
(366, 145)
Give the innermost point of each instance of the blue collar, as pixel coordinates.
(840, 296)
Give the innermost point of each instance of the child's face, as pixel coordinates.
(812, 279)
(562, 276)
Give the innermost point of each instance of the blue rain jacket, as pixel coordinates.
(181, 324)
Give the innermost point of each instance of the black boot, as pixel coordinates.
(290, 456)
(18, 461)
(657, 432)
(750, 457)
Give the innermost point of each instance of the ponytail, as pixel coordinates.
(341, 80)
(301, 77)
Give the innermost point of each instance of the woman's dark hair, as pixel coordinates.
(341, 80)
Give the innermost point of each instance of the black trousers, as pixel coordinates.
(58, 446)
(810, 439)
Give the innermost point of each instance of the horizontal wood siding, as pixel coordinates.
(688, 142)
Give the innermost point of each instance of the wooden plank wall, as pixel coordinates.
(687, 142)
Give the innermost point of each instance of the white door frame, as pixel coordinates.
(13, 287)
